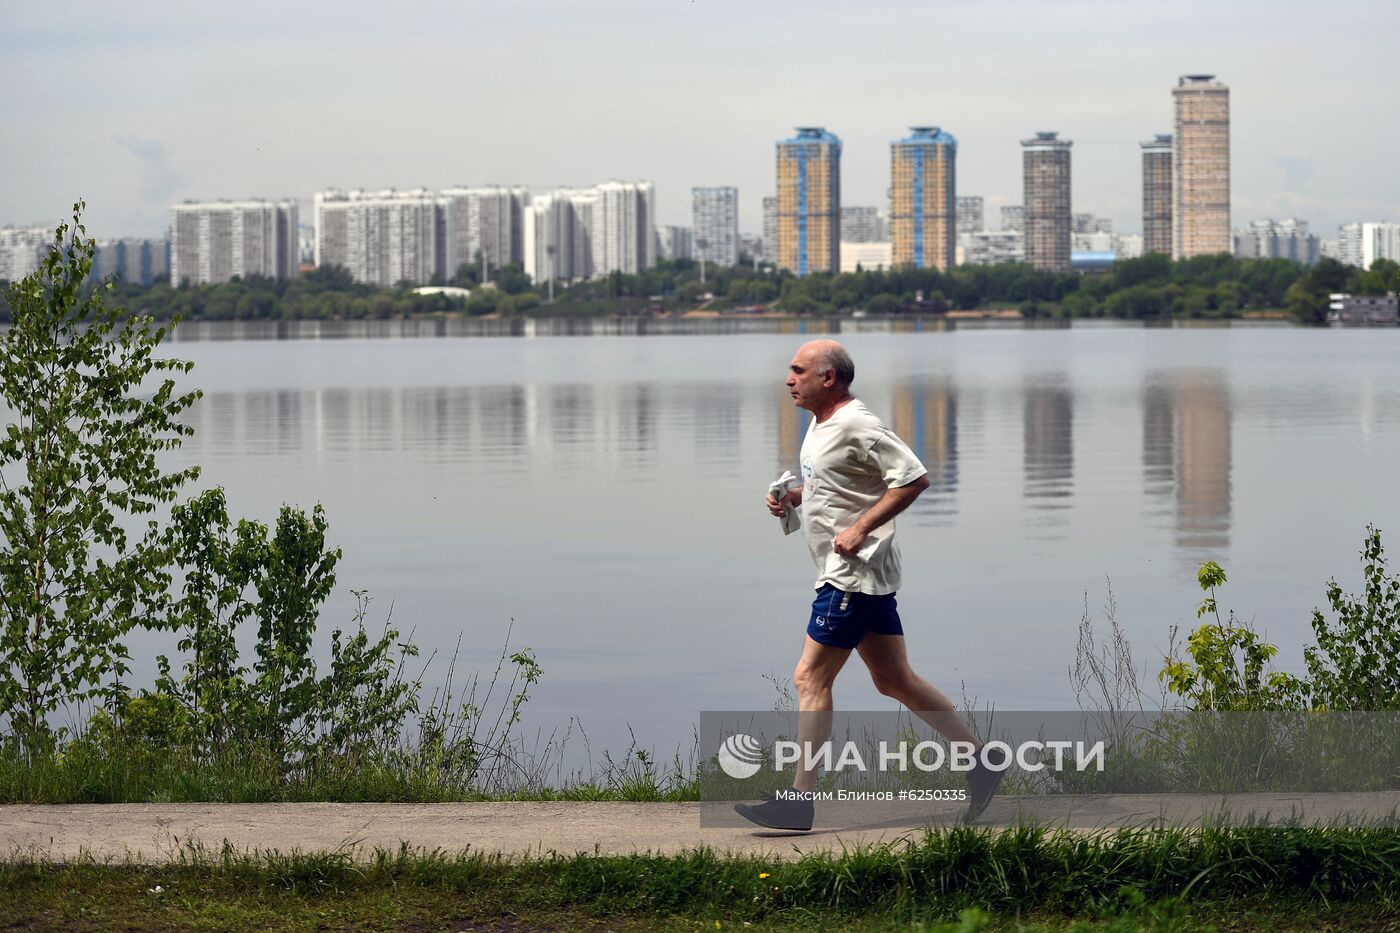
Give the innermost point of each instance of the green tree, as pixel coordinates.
(512, 280)
(78, 474)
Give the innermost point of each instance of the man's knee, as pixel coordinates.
(893, 683)
(810, 679)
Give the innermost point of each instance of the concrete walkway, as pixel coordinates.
(160, 832)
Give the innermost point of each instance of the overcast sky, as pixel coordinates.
(137, 105)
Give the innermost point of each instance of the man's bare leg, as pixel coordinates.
(889, 668)
(815, 674)
(888, 662)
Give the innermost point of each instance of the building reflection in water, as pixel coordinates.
(1186, 458)
(492, 425)
(925, 415)
(792, 425)
(716, 431)
(1048, 451)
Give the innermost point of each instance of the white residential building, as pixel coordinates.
(589, 233)
(382, 238)
(22, 249)
(862, 225)
(714, 214)
(991, 248)
(866, 256)
(1098, 241)
(482, 224)
(1361, 244)
(676, 243)
(1277, 239)
(215, 241)
(624, 228)
(770, 231)
(134, 261)
(971, 214)
(1128, 245)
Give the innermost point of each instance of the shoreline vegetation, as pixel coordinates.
(955, 881)
(84, 563)
(1149, 288)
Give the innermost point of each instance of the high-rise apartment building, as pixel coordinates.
(382, 238)
(624, 227)
(550, 225)
(923, 198)
(1200, 167)
(575, 233)
(676, 243)
(134, 261)
(972, 217)
(22, 249)
(1013, 218)
(1157, 194)
(1091, 223)
(809, 201)
(214, 241)
(1362, 244)
(770, 231)
(1127, 245)
(1046, 172)
(482, 226)
(861, 224)
(1277, 239)
(991, 248)
(714, 216)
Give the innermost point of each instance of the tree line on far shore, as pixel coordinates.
(1145, 288)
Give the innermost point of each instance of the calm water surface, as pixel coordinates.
(605, 493)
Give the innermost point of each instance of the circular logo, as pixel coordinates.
(740, 756)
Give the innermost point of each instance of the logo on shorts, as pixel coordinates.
(740, 756)
(821, 621)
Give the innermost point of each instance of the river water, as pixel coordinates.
(605, 493)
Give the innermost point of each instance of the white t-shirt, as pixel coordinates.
(848, 462)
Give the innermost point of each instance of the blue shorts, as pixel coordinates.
(841, 619)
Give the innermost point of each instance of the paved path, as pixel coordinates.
(158, 832)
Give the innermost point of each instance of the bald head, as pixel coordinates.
(828, 355)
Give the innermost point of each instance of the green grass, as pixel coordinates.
(960, 879)
(135, 774)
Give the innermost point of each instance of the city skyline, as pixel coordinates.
(92, 86)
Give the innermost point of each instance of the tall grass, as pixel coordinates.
(940, 874)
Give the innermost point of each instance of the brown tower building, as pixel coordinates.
(809, 202)
(1045, 160)
(1200, 168)
(923, 198)
(1157, 195)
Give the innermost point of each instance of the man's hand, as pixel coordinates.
(849, 541)
(895, 500)
(775, 506)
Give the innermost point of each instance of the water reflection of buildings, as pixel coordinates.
(1048, 449)
(926, 417)
(494, 425)
(1186, 458)
(792, 425)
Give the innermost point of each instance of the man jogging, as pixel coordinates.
(857, 475)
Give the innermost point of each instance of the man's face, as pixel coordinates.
(807, 384)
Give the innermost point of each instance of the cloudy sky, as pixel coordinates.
(136, 105)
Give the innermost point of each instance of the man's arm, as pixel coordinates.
(895, 500)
